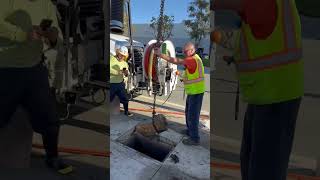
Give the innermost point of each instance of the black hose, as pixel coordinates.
(175, 80)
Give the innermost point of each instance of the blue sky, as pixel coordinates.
(143, 10)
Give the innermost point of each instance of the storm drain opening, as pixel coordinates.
(155, 147)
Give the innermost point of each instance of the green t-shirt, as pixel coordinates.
(16, 19)
(115, 67)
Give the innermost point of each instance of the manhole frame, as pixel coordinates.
(125, 137)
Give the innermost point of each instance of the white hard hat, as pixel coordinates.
(123, 50)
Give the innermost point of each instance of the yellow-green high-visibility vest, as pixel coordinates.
(271, 70)
(194, 83)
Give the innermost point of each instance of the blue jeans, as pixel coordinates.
(193, 109)
(34, 95)
(118, 89)
(267, 140)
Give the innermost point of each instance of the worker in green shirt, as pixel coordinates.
(118, 70)
(23, 77)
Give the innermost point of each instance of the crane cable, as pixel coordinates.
(158, 44)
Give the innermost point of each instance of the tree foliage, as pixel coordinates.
(198, 24)
(167, 26)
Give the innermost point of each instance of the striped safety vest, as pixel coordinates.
(271, 70)
(194, 83)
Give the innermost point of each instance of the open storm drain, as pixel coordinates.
(155, 147)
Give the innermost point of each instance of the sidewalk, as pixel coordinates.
(194, 161)
(225, 153)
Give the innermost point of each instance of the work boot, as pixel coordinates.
(129, 114)
(185, 132)
(59, 166)
(190, 142)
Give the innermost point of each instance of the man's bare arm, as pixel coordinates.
(171, 59)
(167, 58)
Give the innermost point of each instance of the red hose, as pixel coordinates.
(77, 151)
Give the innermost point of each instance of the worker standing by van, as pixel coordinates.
(194, 85)
(23, 77)
(119, 70)
(270, 71)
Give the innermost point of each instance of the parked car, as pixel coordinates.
(200, 52)
(179, 51)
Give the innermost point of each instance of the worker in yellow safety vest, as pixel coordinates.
(269, 65)
(194, 84)
(23, 77)
(119, 70)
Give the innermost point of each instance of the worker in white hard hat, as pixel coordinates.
(118, 71)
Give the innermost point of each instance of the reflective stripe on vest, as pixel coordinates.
(290, 54)
(200, 78)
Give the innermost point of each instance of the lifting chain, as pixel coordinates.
(158, 44)
(160, 24)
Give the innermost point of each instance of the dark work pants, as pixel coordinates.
(267, 140)
(29, 88)
(119, 89)
(192, 113)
